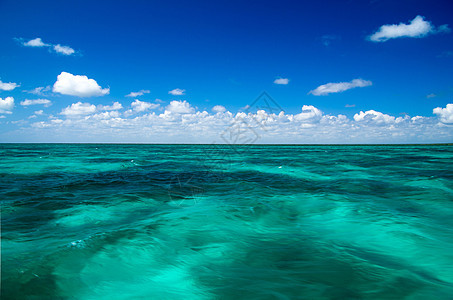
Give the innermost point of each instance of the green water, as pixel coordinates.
(221, 222)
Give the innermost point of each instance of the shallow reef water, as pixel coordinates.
(88, 221)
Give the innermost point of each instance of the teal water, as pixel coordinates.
(221, 222)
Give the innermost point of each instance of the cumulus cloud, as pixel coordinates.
(6, 105)
(177, 92)
(8, 86)
(86, 124)
(218, 109)
(139, 93)
(281, 81)
(373, 116)
(107, 115)
(180, 107)
(445, 114)
(140, 106)
(417, 28)
(78, 85)
(114, 106)
(37, 42)
(66, 50)
(309, 114)
(39, 112)
(337, 87)
(79, 109)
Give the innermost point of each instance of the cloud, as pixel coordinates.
(445, 114)
(373, 116)
(8, 86)
(115, 106)
(63, 49)
(36, 114)
(431, 96)
(141, 106)
(107, 115)
(6, 105)
(79, 109)
(218, 109)
(35, 43)
(78, 85)
(338, 87)
(281, 81)
(28, 102)
(39, 90)
(417, 28)
(309, 114)
(177, 92)
(310, 126)
(349, 105)
(139, 93)
(179, 107)
(83, 109)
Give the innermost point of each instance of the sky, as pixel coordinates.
(232, 72)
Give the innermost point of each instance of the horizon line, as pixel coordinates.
(225, 144)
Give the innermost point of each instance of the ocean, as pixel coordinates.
(89, 221)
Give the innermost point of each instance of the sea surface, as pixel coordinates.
(226, 222)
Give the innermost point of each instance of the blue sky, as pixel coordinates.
(226, 53)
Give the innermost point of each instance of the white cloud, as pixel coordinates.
(139, 93)
(373, 116)
(311, 126)
(337, 87)
(177, 92)
(309, 114)
(115, 106)
(445, 114)
(8, 86)
(35, 43)
(106, 115)
(218, 109)
(281, 81)
(79, 109)
(63, 49)
(180, 107)
(6, 105)
(39, 90)
(417, 28)
(140, 106)
(78, 85)
(28, 102)
(39, 112)
(431, 96)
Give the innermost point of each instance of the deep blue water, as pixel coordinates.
(222, 222)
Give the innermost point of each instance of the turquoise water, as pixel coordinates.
(221, 222)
